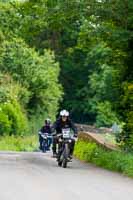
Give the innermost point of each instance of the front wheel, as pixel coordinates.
(44, 146)
(65, 155)
(59, 163)
(64, 163)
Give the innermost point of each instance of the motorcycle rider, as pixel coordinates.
(46, 128)
(63, 122)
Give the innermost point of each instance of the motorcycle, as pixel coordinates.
(47, 140)
(65, 141)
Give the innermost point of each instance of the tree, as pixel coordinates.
(13, 119)
(39, 74)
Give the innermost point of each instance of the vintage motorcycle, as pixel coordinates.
(47, 140)
(65, 140)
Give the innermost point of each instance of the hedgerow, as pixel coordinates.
(108, 159)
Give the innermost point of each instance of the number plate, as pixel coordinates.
(66, 133)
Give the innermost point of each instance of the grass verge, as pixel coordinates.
(18, 143)
(111, 160)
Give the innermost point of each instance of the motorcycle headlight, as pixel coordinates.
(70, 141)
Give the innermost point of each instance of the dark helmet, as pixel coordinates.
(47, 121)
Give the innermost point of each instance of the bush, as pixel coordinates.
(10, 90)
(112, 160)
(36, 122)
(18, 143)
(105, 115)
(5, 124)
(85, 150)
(36, 73)
(12, 119)
(127, 105)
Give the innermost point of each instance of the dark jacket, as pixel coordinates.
(46, 129)
(59, 125)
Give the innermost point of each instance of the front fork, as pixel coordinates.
(64, 151)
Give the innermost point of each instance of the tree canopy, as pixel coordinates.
(84, 45)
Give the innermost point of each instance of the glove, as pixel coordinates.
(75, 135)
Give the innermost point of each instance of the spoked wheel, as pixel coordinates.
(59, 159)
(64, 163)
(59, 163)
(44, 148)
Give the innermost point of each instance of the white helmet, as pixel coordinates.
(64, 113)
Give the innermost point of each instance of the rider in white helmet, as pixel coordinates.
(63, 122)
(64, 113)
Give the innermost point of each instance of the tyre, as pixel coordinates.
(43, 149)
(44, 146)
(59, 159)
(59, 163)
(64, 163)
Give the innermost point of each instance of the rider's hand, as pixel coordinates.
(75, 135)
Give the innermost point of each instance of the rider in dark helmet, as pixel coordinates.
(63, 122)
(46, 128)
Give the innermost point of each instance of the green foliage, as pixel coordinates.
(29, 81)
(5, 125)
(36, 121)
(90, 40)
(127, 105)
(19, 143)
(12, 117)
(11, 90)
(13, 120)
(105, 115)
(39, 74)
(85, 151)
(112, 160)
(92, 43)
(10, 19)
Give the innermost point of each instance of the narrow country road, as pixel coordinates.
(36, 176)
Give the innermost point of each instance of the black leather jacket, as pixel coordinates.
(59, 125)
(46, 129)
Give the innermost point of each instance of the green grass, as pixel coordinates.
(18, 143)
(111, 160)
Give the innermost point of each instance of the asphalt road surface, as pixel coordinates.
(36, 176)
